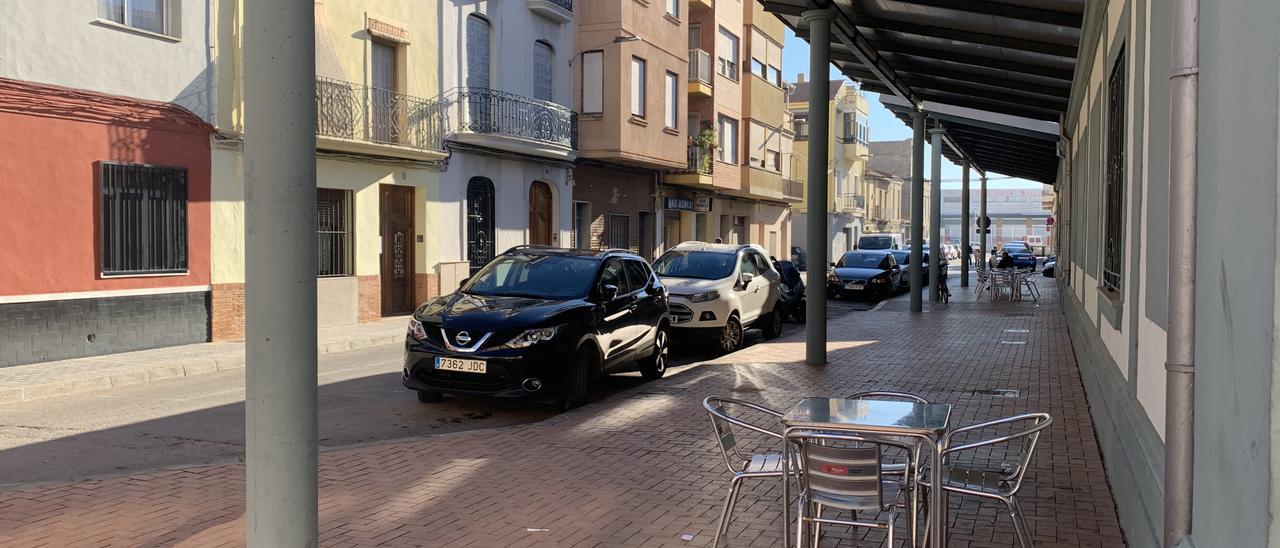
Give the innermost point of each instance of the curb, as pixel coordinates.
(144, 373)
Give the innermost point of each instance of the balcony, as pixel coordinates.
(700, 73)
(708, 4)
(364, 120)
(792, 190)
(698, 172)
(506, 121)
(557, 10)
(850, 203)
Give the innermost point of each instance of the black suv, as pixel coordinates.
(540, 320)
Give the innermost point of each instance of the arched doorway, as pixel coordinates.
(540, 203)
(479, 222)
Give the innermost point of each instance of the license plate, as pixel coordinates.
(460, 364)
(853, 285)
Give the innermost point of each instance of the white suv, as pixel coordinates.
(720, 290)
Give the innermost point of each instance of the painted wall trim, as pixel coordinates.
(71, 295)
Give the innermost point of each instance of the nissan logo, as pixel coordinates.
(462, 337)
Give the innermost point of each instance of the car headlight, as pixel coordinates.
(833, 278)
(416, 330)
(532, 337)
(875, 281)
(703, 297)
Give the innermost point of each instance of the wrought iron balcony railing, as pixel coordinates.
(700, 66)
(566, 4)
(347, 110)
(701, 160)
(494, 112)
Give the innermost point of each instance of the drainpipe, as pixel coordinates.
(1180, 348)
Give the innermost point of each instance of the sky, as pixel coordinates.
(884, 125)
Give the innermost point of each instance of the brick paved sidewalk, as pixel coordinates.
(641, 468)
(57, 378)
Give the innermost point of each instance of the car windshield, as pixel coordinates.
(903, 257)
(537, 276)
(704, 265)
(862, 260)
(875, 242)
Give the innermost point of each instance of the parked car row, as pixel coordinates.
(543, 320)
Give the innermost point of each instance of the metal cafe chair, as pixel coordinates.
(900, 468)
(742, 466)
(984, 279)
(1002, 283)
(1026, 281)
(844, 471)
(1002, 484)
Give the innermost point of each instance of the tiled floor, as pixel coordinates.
(640, 468)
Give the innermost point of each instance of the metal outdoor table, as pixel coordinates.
(926, 421)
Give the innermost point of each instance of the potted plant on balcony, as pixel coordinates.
(707, 143)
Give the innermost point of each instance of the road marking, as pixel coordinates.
(1017, 331)
(1013, 342)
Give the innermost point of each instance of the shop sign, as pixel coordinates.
(702, 204)
(678, 204)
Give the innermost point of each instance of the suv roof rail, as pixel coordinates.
(618, 250)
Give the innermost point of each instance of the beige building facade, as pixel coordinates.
(847, 148)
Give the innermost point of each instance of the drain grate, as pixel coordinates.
(996, 393)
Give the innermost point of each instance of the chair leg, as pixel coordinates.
(1020, 523)
(800, 524)
(817, 526)
(890, 540)
(729, 502)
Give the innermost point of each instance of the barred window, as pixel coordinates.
(1113, 250)
(620, 231)
(144, 218)
(333, 222)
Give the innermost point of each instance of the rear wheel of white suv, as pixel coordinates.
(731, 335)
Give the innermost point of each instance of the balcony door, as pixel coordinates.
(480, 235)
(384, 93)
(540, 204)
(479, 98)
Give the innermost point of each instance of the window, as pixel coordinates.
(846, 129)
(673, 8)
(477, 52)
(614, 274)
(637, 275)
(695, 37)
(748, 265)
(593, 82)
(542, 56)
(144, 218)
(637, 87)
(728, 137)
(802, 127)
(383, 94)
(149, 15)
(727, 54)
(619, 231)
(333, 219)
(766, 58)
(672, 100)
(764, 145)
(1113, 241)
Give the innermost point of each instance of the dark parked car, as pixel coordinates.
(904, 260)
(540, 320)
(873, 274)
(1050, 265)
(799, 258)
(1021, 253)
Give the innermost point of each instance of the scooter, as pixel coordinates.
(791, 303)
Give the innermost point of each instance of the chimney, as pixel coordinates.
(799, 77)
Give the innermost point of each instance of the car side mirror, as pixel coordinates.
(608, 292)
(833, 265)
(746, 278)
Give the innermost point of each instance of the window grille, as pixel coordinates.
(144, 218)
(1113, 242)
(333, 221)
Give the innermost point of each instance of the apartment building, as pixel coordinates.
(105, 120)
(630, 92)
(847, 187)
(735, 183)
(378, 145)
(884, 207)
(1015, 213)
(893, 159)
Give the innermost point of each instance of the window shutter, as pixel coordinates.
(637, 87)
(672, 96)
(477, 52)
(592, 82)
(542, 71)
(759, 46)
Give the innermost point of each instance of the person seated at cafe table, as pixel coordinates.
(1006, 260)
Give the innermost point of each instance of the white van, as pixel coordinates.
(880, 241)
(1035, 242)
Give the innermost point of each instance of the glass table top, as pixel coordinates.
(872, 415)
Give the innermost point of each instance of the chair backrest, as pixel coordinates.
(887, 395)
(722, 424)
(1025, 434)
(843, 469)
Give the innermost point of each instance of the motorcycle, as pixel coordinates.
(791, 302)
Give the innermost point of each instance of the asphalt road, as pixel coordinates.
(200, 419)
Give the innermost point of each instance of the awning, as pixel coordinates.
(993, 56)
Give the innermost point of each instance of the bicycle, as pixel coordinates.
(944, 293)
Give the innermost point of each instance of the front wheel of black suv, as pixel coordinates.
(773, 324)
(428, 396)
(574, 392)
(653, 367)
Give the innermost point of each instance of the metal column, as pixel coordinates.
(280, 274)
(815, 330)
(982, 214)
(936, 255)
(917, 211)
(965, 252)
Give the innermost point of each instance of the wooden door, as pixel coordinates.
(540, 204)
(396, 213)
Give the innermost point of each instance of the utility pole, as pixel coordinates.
(815, 330)
(280, 274)
(917, 211)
